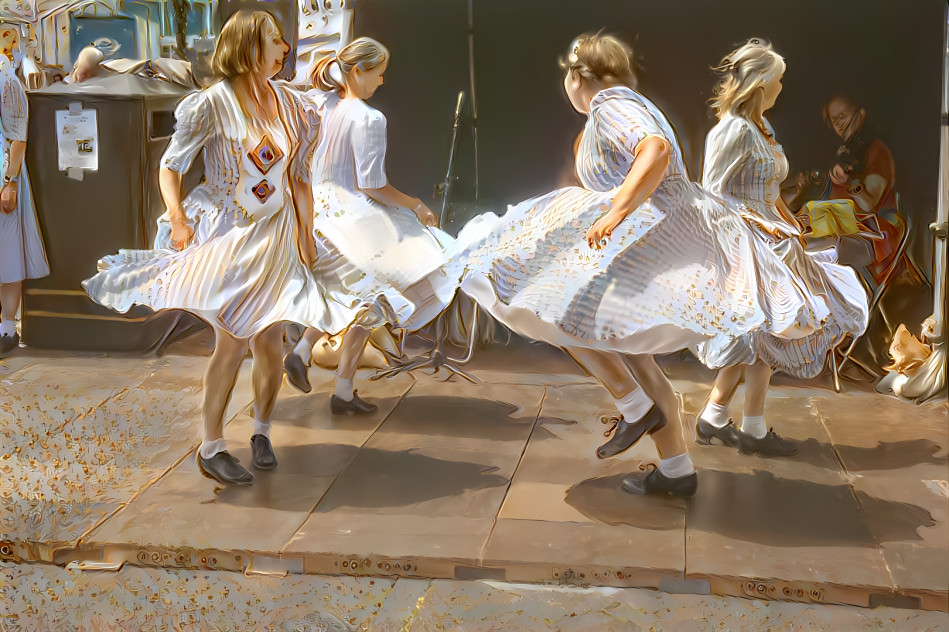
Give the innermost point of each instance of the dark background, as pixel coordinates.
(887, 54)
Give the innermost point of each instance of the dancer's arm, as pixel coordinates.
(652, 159)
(169, 182)
(303, 196)
(390, 196)
(192, 129)
(8, 194)
(369, 150)
(14, 114)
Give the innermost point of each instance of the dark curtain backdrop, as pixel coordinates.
(887, 53)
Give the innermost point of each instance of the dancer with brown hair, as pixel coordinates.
(250, 271)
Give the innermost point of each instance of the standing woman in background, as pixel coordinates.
(745, 166)
(22, 255)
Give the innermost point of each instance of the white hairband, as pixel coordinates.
(336, 72)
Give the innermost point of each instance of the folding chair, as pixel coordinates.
(903, 223)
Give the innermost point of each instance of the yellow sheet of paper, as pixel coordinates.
(832, 217)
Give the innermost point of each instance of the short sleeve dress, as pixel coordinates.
(22, 255)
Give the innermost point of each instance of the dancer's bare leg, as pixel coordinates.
(354, 344)
(754, 436)
(726, 383)
(267, 347)
(713, 422)
(757, 381)
(10, 295)
(607, 367)
(344, 400)
(675, 473)
(219, 379)
(669, 440)
(639, 414)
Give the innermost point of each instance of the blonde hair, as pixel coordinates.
(364, 53)
(601, 58)
(742, 73)
(240, 44)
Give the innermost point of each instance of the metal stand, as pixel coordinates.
(437, 359)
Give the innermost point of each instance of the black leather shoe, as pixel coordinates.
(297, 372)
(626, 435)
(705, 432)
(652, 481)
(356, 406)
(225, 469)
(262, 456)
(9, 343)
(769, 445)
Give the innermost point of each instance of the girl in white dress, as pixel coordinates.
(639, 260)
(22, 255)
(745, 166)
(375, 242)
(249, 271)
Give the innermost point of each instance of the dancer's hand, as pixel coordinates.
(8, 198)
(425, 215)
(181, 234)
(603, 228)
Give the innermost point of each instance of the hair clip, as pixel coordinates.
(574, 55)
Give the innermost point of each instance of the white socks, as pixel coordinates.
(344, 389)
(754, 426)
(261, 428)
(676, 466)
(210, 448)
(634, 405)
(715, 414)
(7, 327)
(304, 350)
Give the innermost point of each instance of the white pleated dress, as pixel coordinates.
(367, 250)
(681, 270)
(745, 170)
(22, 255)
(244, 271)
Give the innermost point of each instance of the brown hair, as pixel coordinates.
(602, 58)
(240, 44)
(363, 52)
(741, 73)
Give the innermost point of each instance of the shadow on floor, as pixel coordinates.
(886, 455)
(764, 509)
(602, 499)
(460, 417)
(758, 508)
(379, 478)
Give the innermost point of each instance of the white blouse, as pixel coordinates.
(351, 152)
